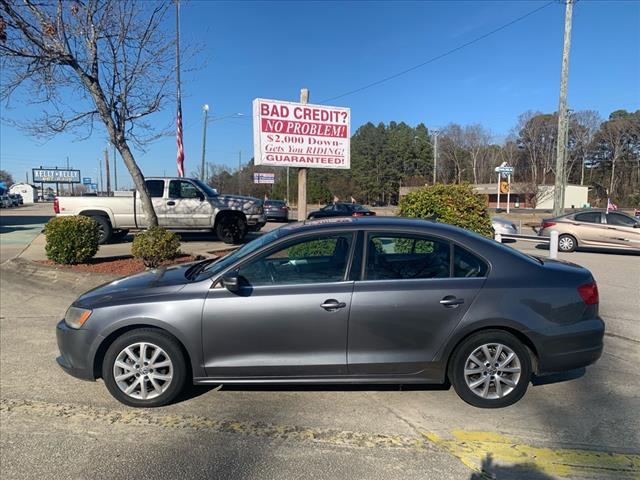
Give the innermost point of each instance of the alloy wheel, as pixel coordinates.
(566, 244)
(492, 371)
(143, 371)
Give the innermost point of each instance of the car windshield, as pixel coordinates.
(211, 192)
(246, 249)
(358, 208)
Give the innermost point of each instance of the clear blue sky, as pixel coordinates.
(272, 49)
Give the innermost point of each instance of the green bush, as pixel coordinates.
(455, 204)
(72, 239)
(155, 245)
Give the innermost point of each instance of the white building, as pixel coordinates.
(575, 196)
(28, 192)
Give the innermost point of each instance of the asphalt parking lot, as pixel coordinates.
(581, 424)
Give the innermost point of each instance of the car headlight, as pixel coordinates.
(75, 317)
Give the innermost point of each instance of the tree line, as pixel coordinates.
(603, 154)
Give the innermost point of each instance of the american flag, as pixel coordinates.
(180, 157)
(611, 205)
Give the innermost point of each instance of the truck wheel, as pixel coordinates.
(231, 229)
(105, 231)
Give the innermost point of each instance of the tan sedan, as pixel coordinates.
(594, 228)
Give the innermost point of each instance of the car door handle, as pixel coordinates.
(171, 203)
(451, 301)
(333, 305)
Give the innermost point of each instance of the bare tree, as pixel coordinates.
(476, 140)
(88, 60)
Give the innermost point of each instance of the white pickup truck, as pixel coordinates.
(182, 204)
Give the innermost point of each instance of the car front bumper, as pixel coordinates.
(569, 346)
(74, 346)
(256, 220)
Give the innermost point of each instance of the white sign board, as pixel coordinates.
(288, 134)
(264, 178)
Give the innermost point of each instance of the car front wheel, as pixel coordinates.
(490, 369)
(144, 368)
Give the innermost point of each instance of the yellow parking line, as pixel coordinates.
(474, 448)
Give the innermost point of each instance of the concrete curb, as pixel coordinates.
(24, 271)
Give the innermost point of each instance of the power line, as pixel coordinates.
(442, 55)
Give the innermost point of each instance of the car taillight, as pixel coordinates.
(546, 224)
(56, 205)
(589, 293)
(358, 214)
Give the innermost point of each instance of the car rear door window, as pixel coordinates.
(405, 257)
(588, 217)
(318, 259)
(467, 265)
(620, 220)
(156, 188)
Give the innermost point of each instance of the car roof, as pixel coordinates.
(371, 222)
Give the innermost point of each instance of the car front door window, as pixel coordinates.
(620, 220)
(313, 260)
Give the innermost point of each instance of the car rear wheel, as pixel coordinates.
(490, 369)
(567, 243)
(144, 368)
(105, 231)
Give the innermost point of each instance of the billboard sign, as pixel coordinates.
(86, 180)
(288, 134)
(55, 175)
(264, 178)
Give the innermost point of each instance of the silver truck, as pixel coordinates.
(181, 204)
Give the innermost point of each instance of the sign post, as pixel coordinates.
(302, 135)
(504, 171)
(508, 191)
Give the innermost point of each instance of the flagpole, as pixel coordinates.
(180, 154)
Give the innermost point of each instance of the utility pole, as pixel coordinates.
(561, 180)
(106, 163)
(115, 168)
(101, 184)
(239, 172)
(205, 109)
(435, 155)
(302, 172)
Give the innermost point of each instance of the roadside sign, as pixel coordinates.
(86, 180)
(288, 134)
(264, 178)
(504, 169)
(93, 186)
(55, 175)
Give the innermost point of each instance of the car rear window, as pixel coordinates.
(467, 265)
(156, 188)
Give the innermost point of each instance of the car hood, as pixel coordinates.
(160, 281)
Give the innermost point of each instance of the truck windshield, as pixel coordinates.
(211, 192)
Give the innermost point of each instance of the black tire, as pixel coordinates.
(105, 230)
(231, 229)
(567, 243)
(158, 338)
(459, 360)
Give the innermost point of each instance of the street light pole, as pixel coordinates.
(239, 172)
(435, 155)
(205, 109)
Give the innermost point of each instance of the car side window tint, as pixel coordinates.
(620, 220)
(404, 257)
(588, 217)
(318, 259)
(467, 265)
(156, 188)
(182, 189)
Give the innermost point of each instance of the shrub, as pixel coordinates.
(155, 245)
(72, 239)
(454, 204)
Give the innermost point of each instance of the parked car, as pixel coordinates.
(276, 210)
(16, 200)
(594, 228)
(182, 204)
(345, 300)
(503, 226)
(339, 209)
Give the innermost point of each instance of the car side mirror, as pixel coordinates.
(231, 282)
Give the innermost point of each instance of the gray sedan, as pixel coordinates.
(345, 300)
